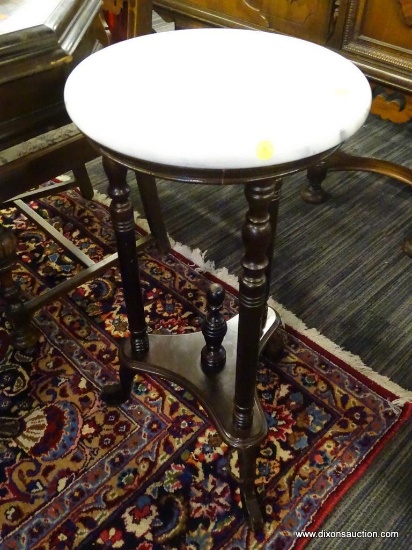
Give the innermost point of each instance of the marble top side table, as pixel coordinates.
(253, 107)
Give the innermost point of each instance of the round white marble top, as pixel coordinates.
(217, 98)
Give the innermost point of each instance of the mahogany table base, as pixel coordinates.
(177, 358)
(218, 365)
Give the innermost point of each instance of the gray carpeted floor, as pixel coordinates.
(340, 268)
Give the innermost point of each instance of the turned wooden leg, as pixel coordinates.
(153, 210)
(24, 334)
(252, 297)
(257, 235)
(123, 222)
(313, 192)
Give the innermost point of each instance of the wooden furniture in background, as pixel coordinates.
(69, 33)
(65, 150)
(61, 150)
(39, 44)
(128, 18)
(309, 19)
(379, 41)
(377, 37)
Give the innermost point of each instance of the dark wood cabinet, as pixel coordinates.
(40, 42)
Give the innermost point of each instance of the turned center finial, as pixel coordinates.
(213, 355)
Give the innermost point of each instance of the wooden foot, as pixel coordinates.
(114, 395)
(407, 247)
(313, 192)
(9, 427)
(275, 346)
(24, 334)
(253, 511)
(117, 393)
(25, 337)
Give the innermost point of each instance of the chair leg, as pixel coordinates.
(153, 210)
(312, 192)
(83, 181)
(24, 334)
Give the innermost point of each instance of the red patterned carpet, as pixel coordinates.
(153, 473)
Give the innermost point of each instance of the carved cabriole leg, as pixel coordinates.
(24, 334)
(313, 192)
(247, 471)
(124, 227)
(252, 297)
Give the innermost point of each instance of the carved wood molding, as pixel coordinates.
(384, 61)
(391, 105)
(370, 50)
(354, 40)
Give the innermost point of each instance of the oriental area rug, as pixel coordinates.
(153, 473)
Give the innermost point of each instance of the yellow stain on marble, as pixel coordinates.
(265, 150)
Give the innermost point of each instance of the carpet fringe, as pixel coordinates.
(101, 197)
(288, 318)
(354, 361)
